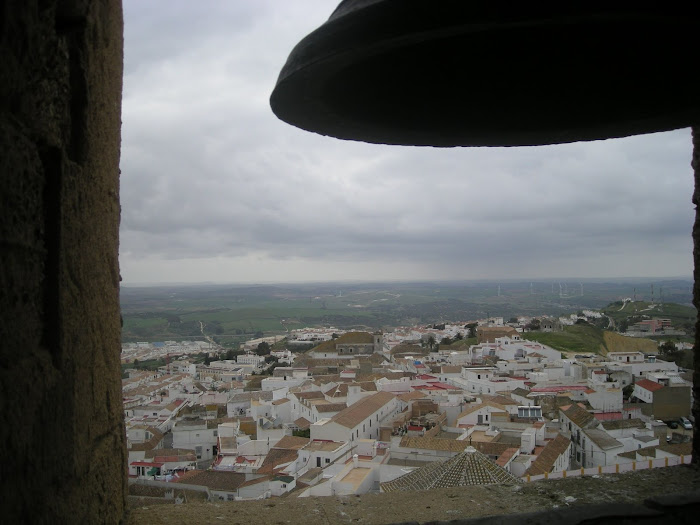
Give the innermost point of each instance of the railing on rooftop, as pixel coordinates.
(618, 468)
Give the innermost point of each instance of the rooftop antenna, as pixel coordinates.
(531, 292)
(560, 290)
(652, 293)
(499, 290)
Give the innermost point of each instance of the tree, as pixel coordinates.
(667, 347)
(513, 320)
(459, 336)
(446, 341)
(533, 325)
(306, 433)
(263, 348)
(472, 329)
(271, 359)
(431, 342)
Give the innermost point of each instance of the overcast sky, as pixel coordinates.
(215, 188)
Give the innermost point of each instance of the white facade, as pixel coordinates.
(250, 359)
(366, 427)
(483, 380)
(196, 436)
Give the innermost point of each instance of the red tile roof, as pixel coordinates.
(649, 385)
(356, 413)
(559, 388)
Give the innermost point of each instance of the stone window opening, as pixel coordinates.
(42, 291)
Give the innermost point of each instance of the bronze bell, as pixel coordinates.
(459, 73)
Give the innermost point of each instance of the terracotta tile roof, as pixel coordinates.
(618, 424)
(601, 438)
(292, 442)
(213, 479)
(258, 395)
(559, 388)
(520, 392)
(331, 407)
(325, 446)
(156, 438)
(160, 453)
(409, 396)
(476, 406)
(580, 416)
(355, 414)
(316, 394)
(367, 386)
(501, 400)
(280, 401)
(256, 481)
(302, 423)
(677, 449)
(310, 475)
(441, 444)
(408, 349)
(646, 452)
(177, 458)
(470, 467)
(503, 459)
(549, 455)
(649, 385)
(172, 406)
(345, 339)
(275, 458)
(227, 442)
(340, 390)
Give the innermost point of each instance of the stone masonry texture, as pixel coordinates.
(61, 428)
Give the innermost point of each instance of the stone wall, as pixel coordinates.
(61, 428)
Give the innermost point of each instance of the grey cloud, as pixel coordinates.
(208, 171)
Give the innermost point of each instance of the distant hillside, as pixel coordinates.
(620, 343)
(586, 338)
(629, 312)
(579, 338)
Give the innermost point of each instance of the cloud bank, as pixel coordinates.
(215, 188)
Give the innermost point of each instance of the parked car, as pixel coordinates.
(685, 423)
(672, 424)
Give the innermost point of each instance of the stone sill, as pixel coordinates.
(647, 496)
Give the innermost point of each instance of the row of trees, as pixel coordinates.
(230, 354)
(446, 341)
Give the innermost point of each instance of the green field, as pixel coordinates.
(579, 338)
(682, 316)
(233, 313)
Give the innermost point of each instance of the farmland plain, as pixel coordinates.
(232, 313)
